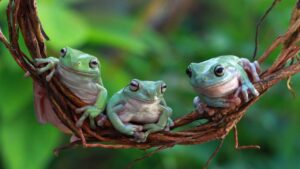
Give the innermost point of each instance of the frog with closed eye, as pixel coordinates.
(140, 109)
(80, 73)
(220, 81)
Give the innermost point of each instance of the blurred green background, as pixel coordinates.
(152, 40)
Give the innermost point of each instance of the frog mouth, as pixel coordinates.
(141, 99)
(213, 85)
(83, 73)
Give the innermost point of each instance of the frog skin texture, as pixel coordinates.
(223, 81)
(140, 109)
(80, 73)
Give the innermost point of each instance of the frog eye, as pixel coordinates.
(63, 52)
(219, 70)
(163, 88)
(188, 71)
(93, 63)
(134, 85)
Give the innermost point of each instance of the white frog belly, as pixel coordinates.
(141, 112)
(83, 86)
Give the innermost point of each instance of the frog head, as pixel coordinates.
(145, 90)
(215, 77)
(79, 62)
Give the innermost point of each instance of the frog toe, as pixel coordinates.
(92, 123)
(101, 120)
(50, 75)
(132, 129)
(254, 92)
(79, 123)
(245, 93)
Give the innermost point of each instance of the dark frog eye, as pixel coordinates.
(163, 88)
(93, 63)
(63, 52)
(219, 70)
(134, 85)
(188, 71)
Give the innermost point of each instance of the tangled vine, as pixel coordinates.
(22, 18)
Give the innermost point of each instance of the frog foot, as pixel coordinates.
(88, 111)
(101, 120)
(202, 107)
(131, 129)
(169, 124)
(50, 65)
(244, 89)
(253, 69)
(140, 137)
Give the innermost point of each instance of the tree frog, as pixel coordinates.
(140, 109)
(79, 72)
(219, 81)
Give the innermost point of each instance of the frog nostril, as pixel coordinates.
(150, 92)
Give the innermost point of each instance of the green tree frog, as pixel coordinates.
(140, 109)
(220, 81)
(79, 72)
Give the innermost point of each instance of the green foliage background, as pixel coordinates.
(130, 47)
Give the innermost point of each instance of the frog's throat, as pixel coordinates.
(140, 99)
(82, 73)
(221, 89)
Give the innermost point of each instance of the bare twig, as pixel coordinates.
(261, 20)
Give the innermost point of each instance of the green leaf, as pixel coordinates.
(62, 25)
(3, 5)
(119, 39)
(26, 144)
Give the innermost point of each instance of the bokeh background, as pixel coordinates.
(153, 40)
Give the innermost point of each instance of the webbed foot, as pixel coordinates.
(131, 129)
(101, 120)
(88, 111)
(244, 89)
(50, 65)
(170, 123)
(253, 69)
(140, 137)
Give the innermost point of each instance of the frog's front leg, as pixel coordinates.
(253, 69)
(245, 87)
(92, 111)
(51, 63)
(155, 127)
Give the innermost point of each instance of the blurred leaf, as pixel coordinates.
(119, 39)
(12, 100)
(26, 144)
(63, 26)
(3, 4)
